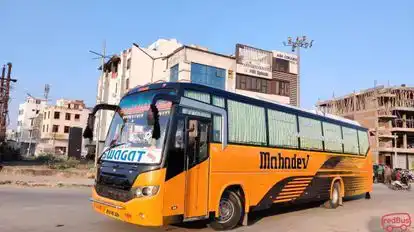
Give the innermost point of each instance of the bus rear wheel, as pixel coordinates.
(230, 212)
(335, 200)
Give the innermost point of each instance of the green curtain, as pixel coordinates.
(350, 137)
(282, 129)
(246, 123)
(217, 128)
(332, 136)
(204, 97)
(218, 101)
(363, 142)
(310, 133)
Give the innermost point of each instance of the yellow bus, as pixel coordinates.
(177, 152)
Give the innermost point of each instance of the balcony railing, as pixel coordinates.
(401, 123)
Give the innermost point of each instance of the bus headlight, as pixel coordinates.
(146, 191)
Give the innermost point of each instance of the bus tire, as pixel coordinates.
(335, 200)
(230, 212)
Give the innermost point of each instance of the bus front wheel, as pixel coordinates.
(230, 212)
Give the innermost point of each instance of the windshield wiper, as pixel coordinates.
(108, 149)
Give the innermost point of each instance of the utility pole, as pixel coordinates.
(300, 42)
(5, 97)
(101, 98)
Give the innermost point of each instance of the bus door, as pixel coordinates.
(197, 166)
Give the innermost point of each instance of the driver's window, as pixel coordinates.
(192, 131)
(179, 135)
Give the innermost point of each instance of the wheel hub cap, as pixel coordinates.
(226, 211)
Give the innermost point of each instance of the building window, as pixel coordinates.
(43, 128)
(284, 88)
(260, 85)
(128, 66)
(44, 116)
(67, 116)
(55, 128)
(60, 150)
(208, 75)
(57, 115)
(48, 114)
(21, 112)
(76, 106)
(174, 73)
(77, 116)
(37, 111)
(280, 65)
(47, 128)
(127, 83)
(37, 102)
(66, 129)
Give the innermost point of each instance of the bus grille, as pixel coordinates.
(114, 194)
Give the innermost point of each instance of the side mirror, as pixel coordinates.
(88, 133)
(152, 115)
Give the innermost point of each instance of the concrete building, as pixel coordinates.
(258, 73)
(55, 122)
(28, 111)
(388, 112)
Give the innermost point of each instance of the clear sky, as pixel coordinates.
(356, 42)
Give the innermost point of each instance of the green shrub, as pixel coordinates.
(48, 159)
(65, 164)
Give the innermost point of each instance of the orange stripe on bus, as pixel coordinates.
(296, 185)
(303, 178)
(290, 196)
(287, 193)
(284, 200)
(299, 182)
(293, 189)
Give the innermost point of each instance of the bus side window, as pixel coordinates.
(179, 135)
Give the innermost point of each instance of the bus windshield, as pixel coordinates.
(130, 138)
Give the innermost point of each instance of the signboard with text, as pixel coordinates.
(254, 62)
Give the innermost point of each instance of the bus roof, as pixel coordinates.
(315, 114)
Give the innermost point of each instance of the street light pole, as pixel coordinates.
(300, 42)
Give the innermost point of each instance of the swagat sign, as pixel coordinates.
(133, 155)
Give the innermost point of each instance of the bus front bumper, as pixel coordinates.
(139, 211)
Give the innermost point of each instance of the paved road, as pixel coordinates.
(44, 210)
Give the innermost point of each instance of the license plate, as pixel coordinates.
(112, 213)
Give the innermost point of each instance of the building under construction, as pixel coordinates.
(388, 112)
